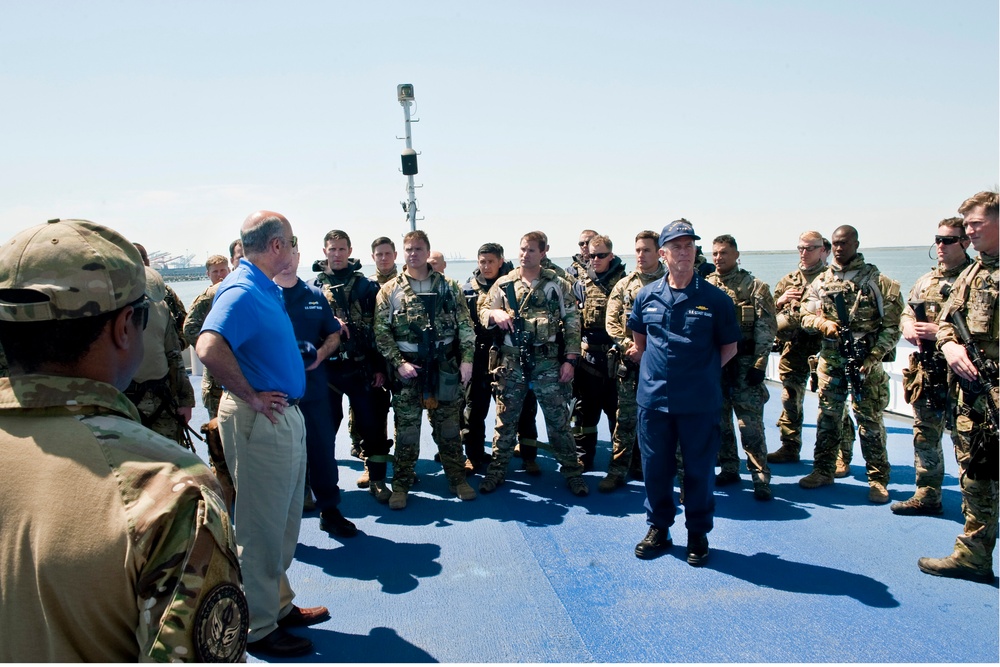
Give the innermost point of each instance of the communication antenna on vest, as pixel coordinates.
(404, 93)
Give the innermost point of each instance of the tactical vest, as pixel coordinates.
(862, 296)
(739, 285)
(789, 318)
(409, 317)
(978, 292)
(541, 306)
(595, 301)
(635, 281)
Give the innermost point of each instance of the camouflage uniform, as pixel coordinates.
(399, 318)
(549, 313)
(160, 385)
(929, 412)
(755, 315)
(480, 389)
(620, 302)
(595, 389)
(559, 271)
(875, 305)
(352, 297)
(577, 268)
(211, 391)
(796, 347)
(132, 556)
(177, 312)
(975, 295)
(383, 278)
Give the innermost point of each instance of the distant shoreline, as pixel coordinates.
(863, 250)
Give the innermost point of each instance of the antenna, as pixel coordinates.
(404, 93)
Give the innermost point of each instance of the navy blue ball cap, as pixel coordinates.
(677, 229)
(308, 351)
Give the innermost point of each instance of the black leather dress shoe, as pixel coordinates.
(697, 549)
(332, 521)
(281, 644)
(656, 543)
(303, 616)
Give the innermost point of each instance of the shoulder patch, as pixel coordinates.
(221, 625)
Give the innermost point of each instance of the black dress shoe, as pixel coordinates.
(656, 543)
(281, 644)
(697, 549)
(332, 521)
(299, 617)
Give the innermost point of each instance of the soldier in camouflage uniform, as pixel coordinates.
(384, 256)
(545, 308)
(874, 306)
(925, 385)
(134, 558)
(743, 391)
(594, 387)
(160, 388)
(215, 267)
(975, 295)
(798, 349)
(479, 392)
(625, 356)
(578, 267)
(418, 352)
(174, 303)
(357, 370)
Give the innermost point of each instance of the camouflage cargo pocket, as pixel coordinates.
(911, 380)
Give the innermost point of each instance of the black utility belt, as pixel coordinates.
(543, 350)
(414, 358)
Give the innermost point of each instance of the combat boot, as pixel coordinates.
(463, 490)
(877, 493)
(917, 506)
(611, 482)
(843, 468)
(785, 454)
(490, 482)
(578, 486)
(727, 477)
(364, 479)
(816, 479)
(380, 490)
(397, 500)
(762, 491)
(954, 568)
(532, 468)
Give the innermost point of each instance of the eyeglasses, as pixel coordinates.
(295, 241)
(142, 303)
(947, 240)
(600, 255)
(808, 248)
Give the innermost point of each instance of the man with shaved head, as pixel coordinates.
(249, 344)
(873, 305)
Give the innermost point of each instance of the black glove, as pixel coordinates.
(754, 376)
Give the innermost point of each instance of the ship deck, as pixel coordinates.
(531, 574)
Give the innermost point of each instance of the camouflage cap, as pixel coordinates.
(68, 269)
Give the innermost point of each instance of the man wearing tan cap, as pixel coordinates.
(114, 544)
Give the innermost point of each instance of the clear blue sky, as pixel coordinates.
(171, 121)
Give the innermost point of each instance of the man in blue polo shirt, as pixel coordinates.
(685, 331)
(248, 344)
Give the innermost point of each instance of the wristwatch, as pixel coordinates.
(571, 362)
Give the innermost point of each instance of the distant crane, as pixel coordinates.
(404, 93)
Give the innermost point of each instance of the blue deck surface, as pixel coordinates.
(532, 574)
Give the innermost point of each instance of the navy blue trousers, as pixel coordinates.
(699, 439)
(324, 475)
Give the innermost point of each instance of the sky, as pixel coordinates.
(172, 121)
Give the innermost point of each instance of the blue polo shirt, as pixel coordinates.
(681, 369)
(249, 313)
(313, 320)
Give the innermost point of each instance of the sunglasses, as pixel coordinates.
(600, 255)
(142, 303)
(947, 240)
(583, 244)
(808, 248)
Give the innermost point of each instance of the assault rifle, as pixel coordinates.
(850, 350)
(987, 381)
(935, 379)
(523, 339)
(350, 346)
(427, 352)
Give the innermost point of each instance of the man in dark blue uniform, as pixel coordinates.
(685, 331)
(316, 327)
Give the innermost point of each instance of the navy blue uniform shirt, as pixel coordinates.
(681, 368)
(313, 321)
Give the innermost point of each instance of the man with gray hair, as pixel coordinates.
(130, 556)
(249, 344)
